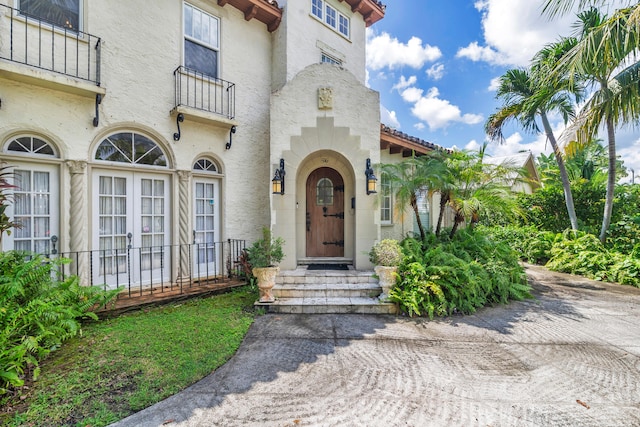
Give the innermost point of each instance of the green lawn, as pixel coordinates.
(119, 366)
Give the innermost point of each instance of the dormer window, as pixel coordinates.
(331, 17)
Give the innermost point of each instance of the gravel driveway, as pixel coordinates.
(568, 357)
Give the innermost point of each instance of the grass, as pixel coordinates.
(122, 365)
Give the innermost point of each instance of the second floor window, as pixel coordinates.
(61, 13)
(201, 41)
(328, 14)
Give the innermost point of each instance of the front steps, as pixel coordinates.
(327, 291)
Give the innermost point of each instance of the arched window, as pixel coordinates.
(205, 165)
(130, 147)
(324, 192)
(30, 145)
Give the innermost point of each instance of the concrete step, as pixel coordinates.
(328, 305)
(301, 276)
(327, 290)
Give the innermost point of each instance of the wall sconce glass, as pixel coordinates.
(371, 178)
(277, 183)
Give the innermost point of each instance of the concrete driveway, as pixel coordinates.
(569, 357)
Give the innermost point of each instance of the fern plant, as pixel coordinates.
(38, 313)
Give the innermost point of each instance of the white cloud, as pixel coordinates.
(439, 113)
(383, 51)
(476, 53)
(389, 118)
(419, 126)
(412, 94)
(514, 30)
(631, 157)
(436, 71)
(472, 145)
(405, 83)
(494, 84)
(514, 144)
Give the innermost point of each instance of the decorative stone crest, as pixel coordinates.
(325, 98)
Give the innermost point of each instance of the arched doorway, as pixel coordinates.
(325, 213)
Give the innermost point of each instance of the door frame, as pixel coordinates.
(217, 267)
(334, 160)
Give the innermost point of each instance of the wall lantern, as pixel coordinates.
(371, 178)
(277, 183)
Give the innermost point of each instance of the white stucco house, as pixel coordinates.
(146, 137)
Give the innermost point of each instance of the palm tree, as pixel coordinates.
(528, 95)
(479, 189)
(411, 177)
(6, 224)
(602, 58)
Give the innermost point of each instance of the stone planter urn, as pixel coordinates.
(266, 281)
(387, 279)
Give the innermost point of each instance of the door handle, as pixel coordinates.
(308, 221)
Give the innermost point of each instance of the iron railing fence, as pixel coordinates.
(197, 90)
(155, 269)
(33, 41)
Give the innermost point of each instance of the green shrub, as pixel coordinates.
(583, 254)
(386, 253)
(441, 277)
(37, 313)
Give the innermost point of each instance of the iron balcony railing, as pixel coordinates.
(197, 90)
(29, 40)
(155, 269)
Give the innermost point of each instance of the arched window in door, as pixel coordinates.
(129, 147)
(324, 192)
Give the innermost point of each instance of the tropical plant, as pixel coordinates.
(479, 189)
(38, 312)
(445, 277)
(528, 95)
(267, 251)
(6, 224)
(411, 177)
(387, 253)
(605, 58)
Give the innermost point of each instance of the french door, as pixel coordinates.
(207, 254)
(35, 206)
(131, 228)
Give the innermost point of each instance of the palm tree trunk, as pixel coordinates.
(566, 185)
(414, 205)
(444, 199)
(611, 181)
(456, 223)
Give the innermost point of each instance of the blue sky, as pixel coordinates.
(435, 64)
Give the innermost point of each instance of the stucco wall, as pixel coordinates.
(306, 37)
(141, 47)
(347, 134)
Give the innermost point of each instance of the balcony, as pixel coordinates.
(37, 52)
(204, 99)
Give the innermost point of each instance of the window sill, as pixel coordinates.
(48, 79)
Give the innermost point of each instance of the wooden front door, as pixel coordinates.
(325, 213)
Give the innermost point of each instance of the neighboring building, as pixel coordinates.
(528, 183)
(160, 129)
